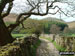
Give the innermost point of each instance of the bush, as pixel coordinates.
(47, 25)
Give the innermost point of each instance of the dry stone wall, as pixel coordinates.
(20, 47)
(67, 42)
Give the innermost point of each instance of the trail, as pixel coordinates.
(47, 49)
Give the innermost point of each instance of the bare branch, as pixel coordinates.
(18, 18)
(62, 11)
(66, 14)
(30, 3)
(25, 18)
(8, 10)
(3, 4)
(11, 27)
(54, 12)
(36, 13)
(29, 13)
(22, 25)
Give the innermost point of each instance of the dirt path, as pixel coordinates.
(47, 49)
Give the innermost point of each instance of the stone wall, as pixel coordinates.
(67, 42)
(20, 47)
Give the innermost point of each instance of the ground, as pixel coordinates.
(47, 49)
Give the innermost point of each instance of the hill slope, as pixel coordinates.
(10, 18)
(71, 24)
(53, 19)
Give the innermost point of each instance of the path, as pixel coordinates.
(47, 49)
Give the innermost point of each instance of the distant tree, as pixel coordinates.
(32, 26)
(66, 30)
(47, 25)
(55, 29)
(38, 31)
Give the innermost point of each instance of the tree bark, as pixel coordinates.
(5, 35)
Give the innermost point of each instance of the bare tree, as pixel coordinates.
(55, 29)
(35, 8)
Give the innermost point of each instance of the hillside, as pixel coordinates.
(53, 19)
(10, 18)
(71, 24)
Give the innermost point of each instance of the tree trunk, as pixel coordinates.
(5, 35)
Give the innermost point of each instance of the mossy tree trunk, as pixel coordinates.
(5, 35)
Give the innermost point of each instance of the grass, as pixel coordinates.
(73, 35)
(5, 51)
(20, 35)
(17, 35)
(34, 47)
(58, 47)
(68, 35)
(7, 23)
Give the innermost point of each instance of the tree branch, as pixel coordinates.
(18, 18)
(3, 4)
(11, 27)
(8, 10)
(28, 14)
(30, 3)
(22, 25)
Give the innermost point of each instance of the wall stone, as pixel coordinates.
(66, 42)
(20, 47)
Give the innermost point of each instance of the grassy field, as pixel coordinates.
(68, 35)
(20, 35)
(73, 35)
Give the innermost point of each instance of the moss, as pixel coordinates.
(5, 51)
(34, 47)
(16, 50)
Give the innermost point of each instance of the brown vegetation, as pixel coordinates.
(71, 25)
(11, 18)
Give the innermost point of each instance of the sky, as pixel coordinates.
(20, 6)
